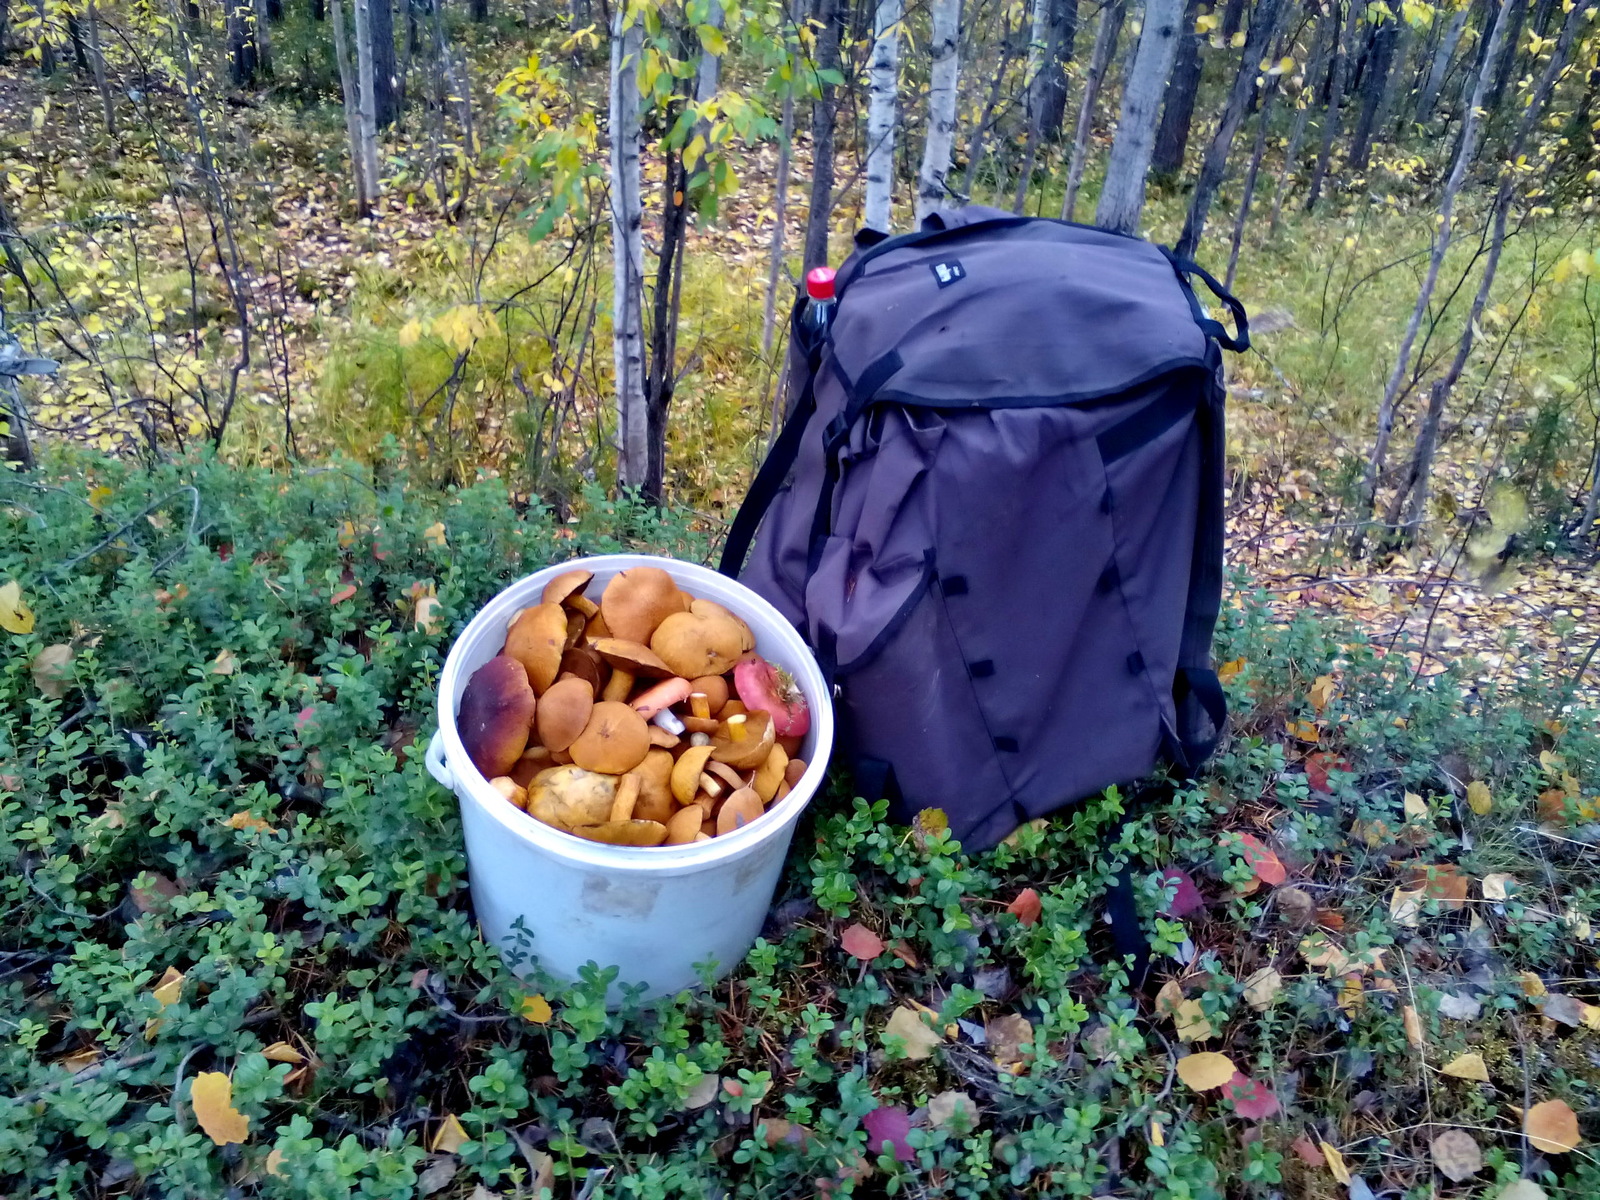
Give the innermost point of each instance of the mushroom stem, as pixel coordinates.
(661, 697)
(700, 705)
(736, 729)
(619, 685)
(713, 787)
(699, 739)
(668, 720)
(627, 796)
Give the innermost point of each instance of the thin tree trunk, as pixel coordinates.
(823, 108)
(977, 146)
(1105, 45)
(883, 72)
(1232, 18)
(1063, 47)
(1263, 31)
(352, 114)
(1257, 152)
(780, 220)
(1441, 243)
(1440, 69)
(1038, 54)
(97, 62)
(661, 377)
(1302, 116)
(1412, 497)
(1507, 61)
(1336, 86)
(708, 72)
(942, 79)
(1374, 86)
(627, 247)
(261, 30)
(480, 10)
(241, 46)
(1122, 197)
(364, 92)
(1177, 112)
(1399, 81)
(384, 82)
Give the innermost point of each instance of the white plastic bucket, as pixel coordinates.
(653, 912)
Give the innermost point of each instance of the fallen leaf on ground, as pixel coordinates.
(284, 1053)
(703, 1093)
(888, 1127)
(1261, 989)
(1413, 1026)
(1405, 907)
(1168, 998)
(1459, 1008)
(1532, 985)
(536, 1008)
(1295, 905)
(1466, 1066)
(1190, 1020)
(425, 617)
(211, 1097)
(860, 942)
(345, 593)
(1308, 1151)
(1522, 1189)
(1261, 860)
(449, 1137)
(1206, 1070)
(1186, 897)
(1321, 692)
(435, 534)
(1567, 1010)
(1552, 1126)
(906, 1023)
(1456, 1155)
(1497, 885)
(224, 663)
(1252, 1100)
(949, 1108)
(1026, 907)
(1415, 807)
(1005, 1037)
(15, 615)
(1335, 1163)
(51, 670)
(1478, 797)
(170, 988)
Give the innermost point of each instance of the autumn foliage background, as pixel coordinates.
(289, 450)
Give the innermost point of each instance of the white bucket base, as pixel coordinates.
(655, 913)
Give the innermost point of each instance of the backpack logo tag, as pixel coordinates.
(947, 272)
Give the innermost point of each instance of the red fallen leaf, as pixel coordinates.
(1262, 861)
(304, 716)
(1026, 907)
(343, 594)
(1308, 1151)
(1251, 1100)
(860, 942)
(1186, 899)
(887, 1127)
(1319, 764)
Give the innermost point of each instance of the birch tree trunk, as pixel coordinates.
(97, 63)
(1441, 243)
(1263, 29)
(708, 73)
(1177, 110)
(1105, 45)
(1063, 48)
(1122, 198)
(941, 106)
(627, 255)
(352, 113)
(1033, 76)
(1442, 57)
(883, 72)
(823, 109)
(780, 201)
(1412, 497)
(365, 110)
(1329, 23)
(1330, 126)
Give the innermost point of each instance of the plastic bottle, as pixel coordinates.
(818, 312)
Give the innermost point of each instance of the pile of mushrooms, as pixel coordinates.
(647, 719)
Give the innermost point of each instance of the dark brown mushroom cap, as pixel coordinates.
(537, 639)
(639, 599)
(563, 712)
(565, 585)
(615, 740)
(496, 715)
(588, 666)
(633, 657)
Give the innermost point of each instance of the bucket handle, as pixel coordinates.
(435, 760)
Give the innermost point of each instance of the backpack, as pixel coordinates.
(995, 514)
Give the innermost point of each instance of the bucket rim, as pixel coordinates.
(470, 786)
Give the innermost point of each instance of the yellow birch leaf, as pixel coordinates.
(1405, 907)
(907, 1024)
(224, 663)
(1478, 797)
(537, 1009)
(427, 615)
(1497, 885)
(1168, 998)
(1416, 808)
(211, 1097)
(1466, 1066)
(274, 1164)
(1321, 692)
(410, 333)
(1190, 1021)
(15, 615)
(435, 533)
(1206, 1070)
(170, 988)
(1262, 988)
(1532, 986)
(1341, 1173)
(284, 1053)
(450, 1136)
(1413, 1026)
(1157, 1137)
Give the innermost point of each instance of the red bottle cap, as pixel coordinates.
(819, 283)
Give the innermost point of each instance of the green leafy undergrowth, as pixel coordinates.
(229, 868)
